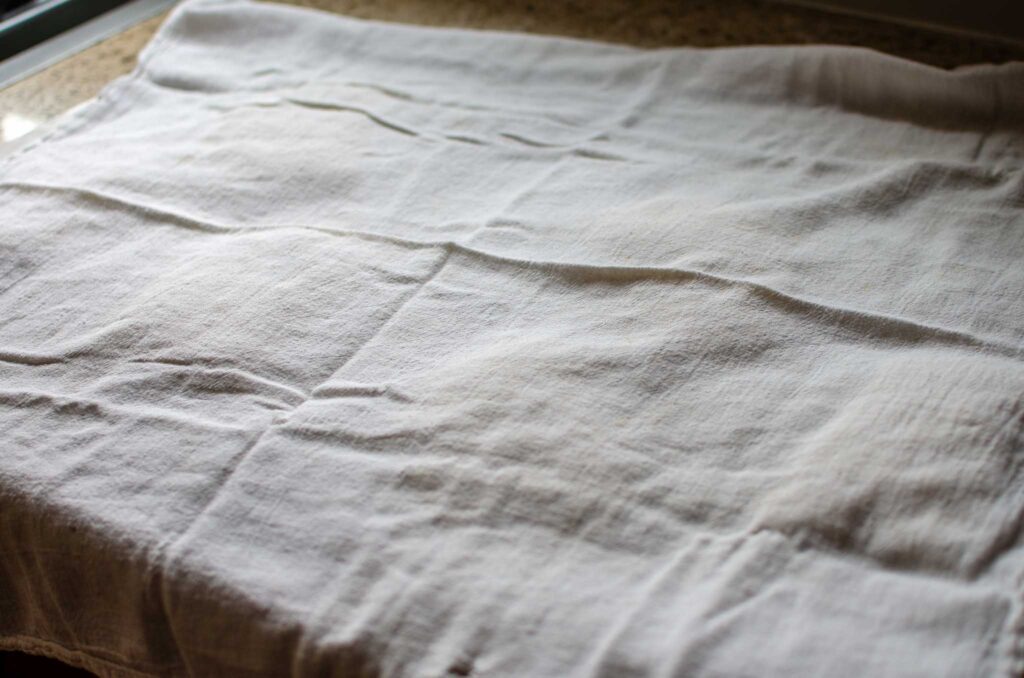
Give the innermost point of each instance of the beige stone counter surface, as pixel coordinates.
(645, 23)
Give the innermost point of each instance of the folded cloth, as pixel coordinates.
(330, 347)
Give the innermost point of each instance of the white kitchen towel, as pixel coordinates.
(338, 348)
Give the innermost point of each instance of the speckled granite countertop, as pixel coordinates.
(646, 23)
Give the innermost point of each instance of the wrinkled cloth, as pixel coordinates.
(338, 348)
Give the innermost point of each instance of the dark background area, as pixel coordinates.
(19, 665)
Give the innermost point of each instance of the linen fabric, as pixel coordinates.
(339, 348)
